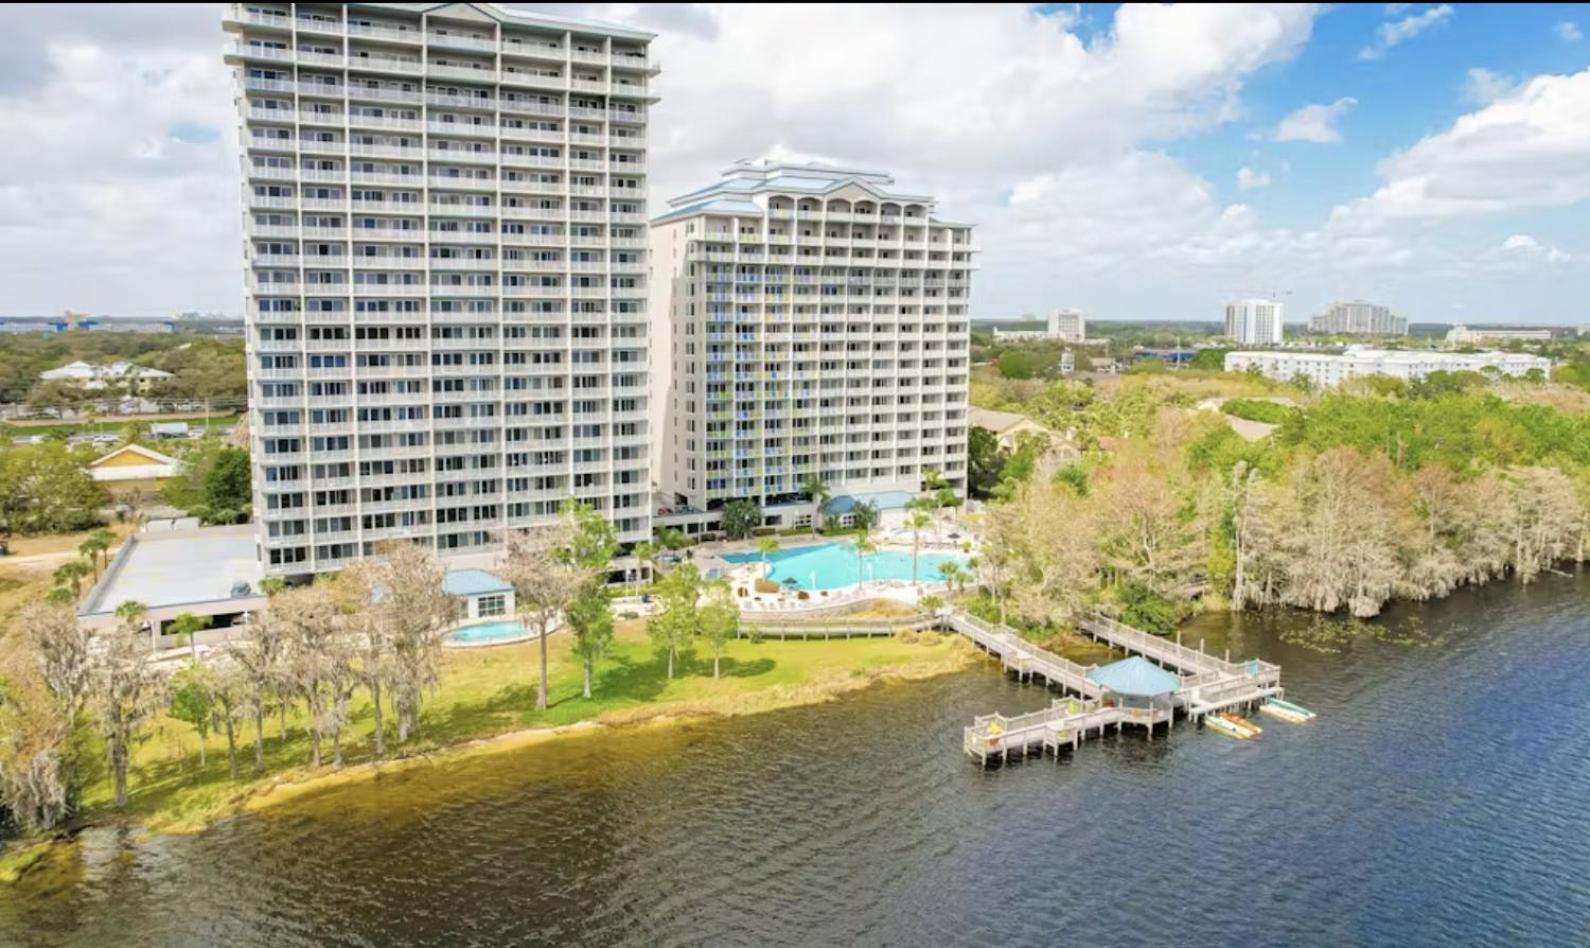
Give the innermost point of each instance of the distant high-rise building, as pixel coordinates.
(1358, 318)
(1254, 322)
(445, 219)
(1069, 325)
(817, 325)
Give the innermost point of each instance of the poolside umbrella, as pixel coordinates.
(791, 582)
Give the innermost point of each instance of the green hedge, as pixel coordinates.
(1252, 409)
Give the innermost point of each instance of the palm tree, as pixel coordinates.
(918, 519)
(188, 626)
(864, 547)
(766, 546)
(132, 613)
(953, 575)
(646, 555)
(670, 538)
(71, 574)
(95, 546)
(821, 496)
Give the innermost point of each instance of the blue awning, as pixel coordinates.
(1135, 677)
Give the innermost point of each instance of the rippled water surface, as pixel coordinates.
(1443, 796)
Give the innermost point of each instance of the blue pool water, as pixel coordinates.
(489, 633)
(833, 565)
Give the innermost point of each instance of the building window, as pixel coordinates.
(490, 606)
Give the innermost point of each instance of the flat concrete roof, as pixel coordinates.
(194, 568)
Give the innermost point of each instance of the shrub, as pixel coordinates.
(1251, 409)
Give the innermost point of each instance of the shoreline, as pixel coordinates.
(292, 785)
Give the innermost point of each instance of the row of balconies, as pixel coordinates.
(751, 245)
(439, 181)
(910, 279)
(344, 261)
(416, 67)
(510, 45)
(446, 155)
(419, 234)
(354, 92)
(547, 267)
(442, 208)
(486, 130)
(787, 258)
(637, 319)
(447, 291)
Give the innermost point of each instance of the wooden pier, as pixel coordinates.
(1206, 683)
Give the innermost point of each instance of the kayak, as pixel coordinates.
(1241, 723)
(1301, 712)
(1284, 713)
(1226, 727)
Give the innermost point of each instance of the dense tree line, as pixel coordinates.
(203, 367)
(1355, 500)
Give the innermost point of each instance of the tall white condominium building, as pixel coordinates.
(818, 325)
(1359, 318)
(1326, 370)
(1254, 322)
(445, 224)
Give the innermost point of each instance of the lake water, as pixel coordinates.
(1442, 797)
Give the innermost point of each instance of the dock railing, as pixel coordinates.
(1175, 653)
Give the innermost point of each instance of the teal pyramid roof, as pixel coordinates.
(1135, 677)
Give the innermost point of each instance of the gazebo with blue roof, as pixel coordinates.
(1137, 683)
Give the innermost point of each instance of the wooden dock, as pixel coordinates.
(1207, 683)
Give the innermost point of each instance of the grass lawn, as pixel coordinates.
(61, 542)
(491, 692)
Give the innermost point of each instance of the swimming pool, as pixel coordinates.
(488, 633)
(833, 565)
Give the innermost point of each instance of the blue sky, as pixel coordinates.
(1417, 88)
(1139, 162)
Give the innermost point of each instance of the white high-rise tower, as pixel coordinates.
(1255, 322)
(817, 324)
(445, 220)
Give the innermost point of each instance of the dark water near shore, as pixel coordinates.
(1442, 797)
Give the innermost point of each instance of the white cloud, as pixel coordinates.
(1056, 146)
(102, 209)
(1400, 31)
(1249, 180)
(1520, 253)
(1568, 31)
(1314, 123)
(1528, 149)
(1484, 86)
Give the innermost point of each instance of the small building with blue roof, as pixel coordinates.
(480, 595)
